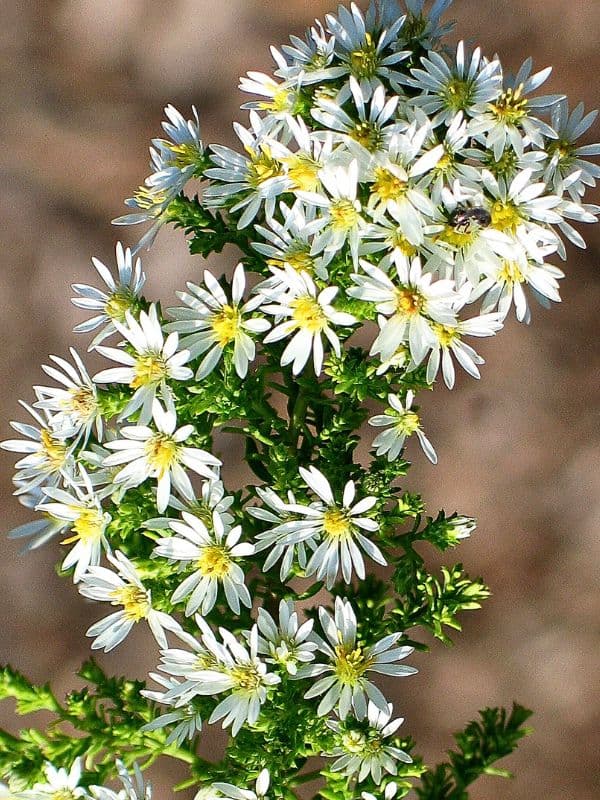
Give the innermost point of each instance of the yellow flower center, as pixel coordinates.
(262, 167)
(134, 601)
(364, 62)
(368, 134)
(81, 403)
(354, 742)
(246, 677)
(283, 100)
(56, 452)
(445, 163)
(351, 665)
(511, 272)
(506, 164)
(336, 523)
(511, 106)
(183, 155)
(205, 661)
(408, 302)
(148, 198)
(408, 423)
(303, 171)
(88, 527)
(505, 217)
(118, 303)
(344, 215)
(308, 314)
(225, 325)
(458, 94)
(459, 238)
(161, 452)
(445, 335)
(214, 561)
(297, 256)
(388, 186)
(62, 794)
(149, 368)
(399, 242)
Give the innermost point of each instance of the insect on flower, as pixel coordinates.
(467, 219)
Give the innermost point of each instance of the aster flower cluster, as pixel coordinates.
(387, 191)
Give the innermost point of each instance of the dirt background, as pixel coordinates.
(82, 87)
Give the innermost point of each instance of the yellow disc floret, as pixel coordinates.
(364, 61)
(344, 215)
(336, 523)
(351, 664)
(388, 186)
(511, 106)
(225, 325)
(409, 302)
(214, 561)
(149, 368)
(134, 600)
(511, 273)
(308, 314)
(303, 171)
(88, 527)
(161, 452)
(246, 677)
(408, 423)
(55, 451)
(505, 217)
(262, 167)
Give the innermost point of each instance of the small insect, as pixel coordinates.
(465, 220)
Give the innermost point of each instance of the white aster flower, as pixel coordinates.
(155, 360)
(364, 48)
(449, 341)
(413, 305)
(218, 667)
(186, 720)
(336, 526)
(280, 99)
(466, 84)
(60, 783)
(112, 303)
(214, 556)
(275, 511)
(507, 122)
(123, 588)
(134, 787)
(211, 322)
(422, 28)
(75, 405)
(176, 159)
(361, 749)
(232, 792)
(340, 217)
(565, 155)
(400, 422)
(375, 124)
(257, 178)
(504, 284)
(289, 245)
(151, 204)
(312, 59)
(289, 643)
(47, 458)
(82, 512)
(345, 685)
(307, 317)
(212, 500)
(159, 454)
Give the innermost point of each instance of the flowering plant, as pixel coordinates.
(392, 199)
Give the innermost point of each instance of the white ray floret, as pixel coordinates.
(346, 685)
(159, 454)
(232, 792)
(211, 323)
(155, 361)
(60, 782)
(123, 588)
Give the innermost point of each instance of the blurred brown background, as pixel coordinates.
(82, 88)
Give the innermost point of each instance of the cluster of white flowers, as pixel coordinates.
(373, 186)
